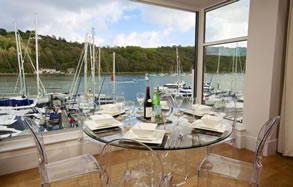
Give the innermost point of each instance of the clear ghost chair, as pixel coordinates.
(230, 110)
(236, 169)
(52, 172)
(130, 167)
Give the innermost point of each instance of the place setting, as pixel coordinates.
(146, 133)
(102, 123)
(210, 125)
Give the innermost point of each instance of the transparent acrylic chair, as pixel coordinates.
(130, 167)
(60, 170)
(229, 110)
(236, 169)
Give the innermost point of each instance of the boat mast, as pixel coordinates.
(85, 65)
(218, 68)
(93, 63)
(37, 60)
(219, 59)
(22, 68)
(18, 58)
(114, 91)
(177, 75)
(99, 72)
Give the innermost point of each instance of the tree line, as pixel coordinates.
(57, 53)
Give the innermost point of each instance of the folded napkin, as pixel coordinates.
(102, 119)
(110, 108)
(201, 109)
(211, 121)
(146, 126)
(199, 124)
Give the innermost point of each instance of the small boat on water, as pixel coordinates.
(146, 77)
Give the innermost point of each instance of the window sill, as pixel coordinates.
(25, 141)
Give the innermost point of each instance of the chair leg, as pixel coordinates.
(198, 177)
(208, 180)
(45, 185)
(89, 178)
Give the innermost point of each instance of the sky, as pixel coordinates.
(121, 22)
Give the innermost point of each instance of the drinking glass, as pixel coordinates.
(166, 107)
(120, 100)
(129, 110)
(140, 99)
(193, 106)
(178, 102)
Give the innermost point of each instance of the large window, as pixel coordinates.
(227, 22)
(225, 58)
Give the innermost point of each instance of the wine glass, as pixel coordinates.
(140, 99)
(129, 110)
(120, 100)
(166, 102)
(178, 102)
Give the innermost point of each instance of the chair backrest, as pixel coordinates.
(34, 129)
(265, 132)
(127, 162)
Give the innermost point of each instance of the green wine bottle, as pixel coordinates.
(156, 105)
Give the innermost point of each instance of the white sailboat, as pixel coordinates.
(179, 86)
(22, 101)
(89, 91)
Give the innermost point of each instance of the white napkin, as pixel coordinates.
(146, 126)
(110, 108)
(201, 125)
(102, 119)
(201, 109)
(211, 121)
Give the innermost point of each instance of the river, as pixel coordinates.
(126, 85)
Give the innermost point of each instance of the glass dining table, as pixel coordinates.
(179, 139)
(179, 134)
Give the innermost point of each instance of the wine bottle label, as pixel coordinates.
(148, 112)
(149, 100)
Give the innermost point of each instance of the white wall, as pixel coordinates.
(265, 49)
(26, 158)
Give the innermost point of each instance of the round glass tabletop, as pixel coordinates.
(178, 133)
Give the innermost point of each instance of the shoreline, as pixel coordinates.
(67, 74)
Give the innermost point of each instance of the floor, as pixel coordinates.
(277, 170)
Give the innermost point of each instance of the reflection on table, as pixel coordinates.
(178, 134)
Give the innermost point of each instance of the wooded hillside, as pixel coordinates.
(59, 54)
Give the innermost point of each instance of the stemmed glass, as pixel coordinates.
(140, 99)
(120, 100)
(166, 107)
(193, 106)
(129, 110)
(178, 102)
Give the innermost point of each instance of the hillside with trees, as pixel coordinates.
(57, 53)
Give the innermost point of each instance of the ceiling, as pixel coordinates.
(187, 5)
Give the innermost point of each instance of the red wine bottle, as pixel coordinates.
(147, 105)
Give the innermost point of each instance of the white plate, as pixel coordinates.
(146, 136)
(94, 125)
(199, 124)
